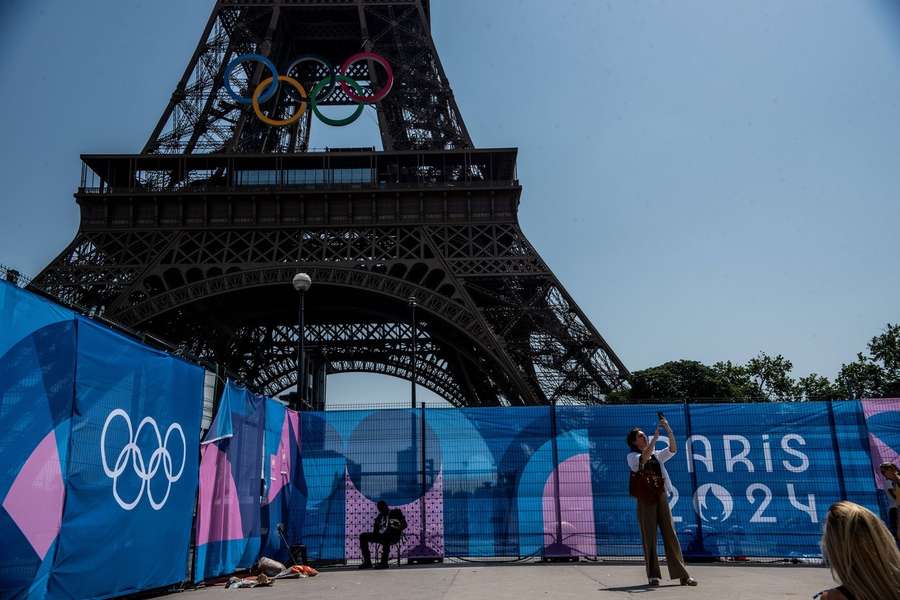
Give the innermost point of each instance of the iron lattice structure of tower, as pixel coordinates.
(197, 238)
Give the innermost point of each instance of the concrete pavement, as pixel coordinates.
(533, 581)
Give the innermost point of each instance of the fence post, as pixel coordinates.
(421, 552)
(558, 549)
(832, 424)
(424, 488)
(689, 448)
(555, 449)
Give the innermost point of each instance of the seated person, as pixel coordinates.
(387, 531)
(892, 490)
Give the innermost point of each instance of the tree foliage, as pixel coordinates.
(687, 379)
(764, 377)
(876, 374)
(772, 374)
(818, 387)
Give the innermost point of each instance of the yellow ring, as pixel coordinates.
(295, 117)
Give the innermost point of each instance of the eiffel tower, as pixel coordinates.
(196, 239)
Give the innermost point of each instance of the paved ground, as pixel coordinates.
(535, 581)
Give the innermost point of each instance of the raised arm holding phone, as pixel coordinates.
(673, 443)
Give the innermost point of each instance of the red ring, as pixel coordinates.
(345, 69)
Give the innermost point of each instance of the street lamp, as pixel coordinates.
(421, 552)
(412, 308)
(301, 283)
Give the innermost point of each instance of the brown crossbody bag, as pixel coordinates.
(646, 484)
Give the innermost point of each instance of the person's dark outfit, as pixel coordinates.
(842, 589)
(651, 516)
(382, 533)
(847, 593)
(892, 490)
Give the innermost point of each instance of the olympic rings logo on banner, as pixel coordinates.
(267, 87)
(145, 471)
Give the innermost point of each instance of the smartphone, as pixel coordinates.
(660, 415)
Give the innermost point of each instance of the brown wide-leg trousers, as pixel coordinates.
(653, 516)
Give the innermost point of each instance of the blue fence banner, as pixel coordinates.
(37, 370)
(495, 468)
(748, 479)
(132, 474)
(228, 514)
(324, 466)
(765, 477)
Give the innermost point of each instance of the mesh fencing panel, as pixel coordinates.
(747, 479)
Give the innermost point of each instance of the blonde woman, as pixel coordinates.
(862, 555)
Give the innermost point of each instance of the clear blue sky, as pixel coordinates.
(708, 179)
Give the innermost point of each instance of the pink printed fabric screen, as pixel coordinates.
(283, 497)
(37, 354)
(883, 422)
(228, 513)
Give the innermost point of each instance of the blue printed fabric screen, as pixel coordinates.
(132, 474)
(748, 479)
(99, 456)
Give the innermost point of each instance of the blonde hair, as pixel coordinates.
(861, 552)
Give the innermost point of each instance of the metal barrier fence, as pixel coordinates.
(748, 479)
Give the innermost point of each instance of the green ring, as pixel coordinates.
(313, 94)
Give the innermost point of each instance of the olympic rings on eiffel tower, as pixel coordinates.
(322, 89)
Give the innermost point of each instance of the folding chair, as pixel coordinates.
(404, 537)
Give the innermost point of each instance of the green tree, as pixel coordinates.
(674, 380)
(772, 374)
(876, 375)
(885, 349)
(818, 387)
(739, 383)
(690, 379)
(863, 378)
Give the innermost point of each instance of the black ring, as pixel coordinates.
(319, 59)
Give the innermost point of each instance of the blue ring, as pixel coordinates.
(273, 87)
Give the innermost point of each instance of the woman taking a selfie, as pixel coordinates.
(650, 485)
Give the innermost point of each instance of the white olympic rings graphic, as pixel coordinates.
(145, 472)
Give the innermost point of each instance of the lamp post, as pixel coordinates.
(421, 553)
(301, 283)
(412, 308)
